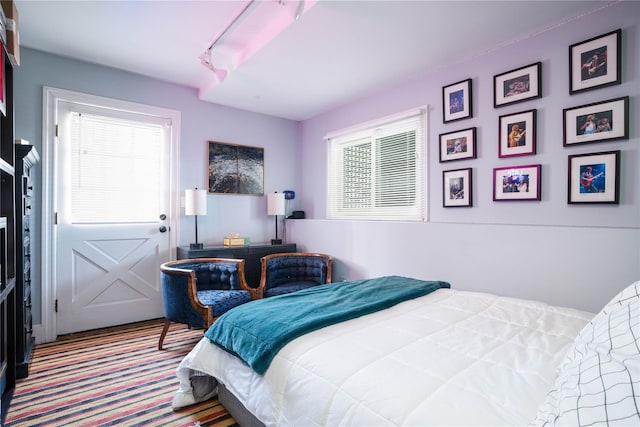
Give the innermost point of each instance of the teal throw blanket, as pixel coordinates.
(256, 331)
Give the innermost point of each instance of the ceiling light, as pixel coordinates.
(250, 29)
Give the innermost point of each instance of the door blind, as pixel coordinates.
(115, 165)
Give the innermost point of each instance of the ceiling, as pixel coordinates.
(335, 52)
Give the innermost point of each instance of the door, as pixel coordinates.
(112, 215)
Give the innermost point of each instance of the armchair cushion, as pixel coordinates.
(288, 288)
(283, 273)
(223, 301)
(219, 275)
(291, 269)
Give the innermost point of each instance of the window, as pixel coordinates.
(112, 163)
(377, 170)
(124, 146)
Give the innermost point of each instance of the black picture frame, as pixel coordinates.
(517, 183)
(458, 145)
(457, 188)
(517, 134)
(596, 122)
(596, 62)
(517, 85)
(594, 178)
(235, 169)
(457, 101)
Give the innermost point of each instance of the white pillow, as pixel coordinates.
(598, 381)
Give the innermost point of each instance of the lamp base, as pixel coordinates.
(196, 246)
(276, 241)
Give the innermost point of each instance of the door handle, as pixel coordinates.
(162, 228)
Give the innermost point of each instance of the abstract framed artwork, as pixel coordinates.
(594, 178)
(457, 188)
(596, 62)
(596, 122)
(517, 134)
(458, 145)
(235, 169)
(517, 85)
(517, 183)
(456, 101)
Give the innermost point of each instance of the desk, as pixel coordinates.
(250, 254)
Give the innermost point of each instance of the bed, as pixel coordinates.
(447, 357)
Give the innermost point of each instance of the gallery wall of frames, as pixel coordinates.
(592, 177)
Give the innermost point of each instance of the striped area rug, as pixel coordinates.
(110, 377)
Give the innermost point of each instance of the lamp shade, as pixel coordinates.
(195, 202)
(275, 204)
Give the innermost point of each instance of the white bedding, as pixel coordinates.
(448, 358)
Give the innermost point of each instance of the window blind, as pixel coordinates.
(129, 153)
(377, 172)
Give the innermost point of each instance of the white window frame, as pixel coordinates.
(371, 133)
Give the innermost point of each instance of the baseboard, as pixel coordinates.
(37, 334)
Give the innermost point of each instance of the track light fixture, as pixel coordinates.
(252, 27)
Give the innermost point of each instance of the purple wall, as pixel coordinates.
(545, 250)
(200, 122)
(542, 250)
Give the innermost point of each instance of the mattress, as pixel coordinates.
(447, 358)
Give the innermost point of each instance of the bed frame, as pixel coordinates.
(237, 410)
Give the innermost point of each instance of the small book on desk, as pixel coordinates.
(236, 241)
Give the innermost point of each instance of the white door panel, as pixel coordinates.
(112, 277)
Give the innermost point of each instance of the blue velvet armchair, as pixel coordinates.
(197, 291)
(283, 273)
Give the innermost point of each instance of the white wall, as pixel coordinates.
(570, 255)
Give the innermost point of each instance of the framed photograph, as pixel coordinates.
(456, 101)
(517, 134)
(594, 178)
(516, 183)
(456, 188)
(596, 62)
(517, 85)
(458, 145)
(235, 169)
(597, 122)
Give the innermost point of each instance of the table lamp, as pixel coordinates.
(276, 206)
(195, 203)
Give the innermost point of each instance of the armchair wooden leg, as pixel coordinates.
(163, 334)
